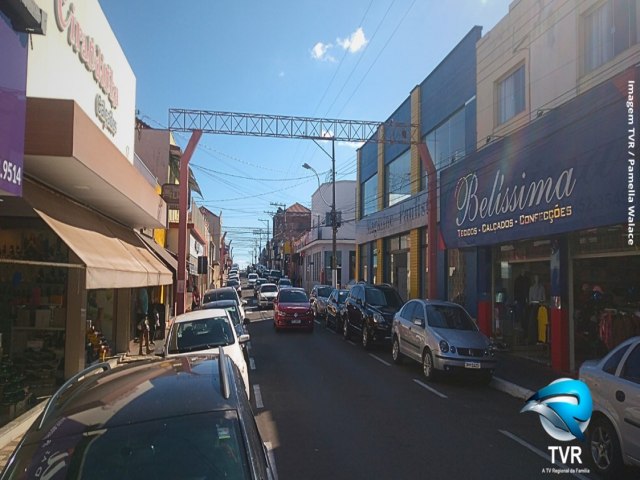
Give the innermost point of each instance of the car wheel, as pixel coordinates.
(605, 455)
(427, 366)
(366, 339)
(395, 351)
(345, 330)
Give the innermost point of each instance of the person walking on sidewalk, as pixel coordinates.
(143, 322)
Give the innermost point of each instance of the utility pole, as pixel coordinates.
(334, 220)
(281, 235)
(268, 248)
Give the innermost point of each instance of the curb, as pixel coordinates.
(19, 426)
(511, 388)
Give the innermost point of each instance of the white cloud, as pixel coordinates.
(319, 52)
(355, 42)
(352, 145)
(281, 74)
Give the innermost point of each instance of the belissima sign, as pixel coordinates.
(560, 174)
(401, 217)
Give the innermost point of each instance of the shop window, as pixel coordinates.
(609, 30)
(374, 262)
(369, 196)
(398, 179)
(511, 96)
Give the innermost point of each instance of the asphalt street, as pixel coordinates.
(330, 409)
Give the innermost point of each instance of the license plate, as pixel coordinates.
(471, 365)
(296, 322)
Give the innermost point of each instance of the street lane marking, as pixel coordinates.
(317, 322)
(252, 363)
(538, 452)
(432, 390)
(351, 343)
(380, 360)
(258, 396)
(331, 331)
(249, 345)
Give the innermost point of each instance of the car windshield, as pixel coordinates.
(219, 295)
(293, 296)
(204, 445)
(342, 296)
(284, 282)
(324, 291)
(455, 318)
(232, 282)
(200, 334)
(268, 288)
(375, 297)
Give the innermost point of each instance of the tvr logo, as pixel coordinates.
(565, 408)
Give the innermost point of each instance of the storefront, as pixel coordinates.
(548, 213)
(70, 260)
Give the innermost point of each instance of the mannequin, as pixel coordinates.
(536, 291)
(537, 296)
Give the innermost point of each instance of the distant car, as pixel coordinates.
(336, 309)
(292, 310)
(251, 280)
(319, 296)
(370, 311)
(284, 282)
(256, 287)
(274, 275)
(225, 293)
(205, 331)
(443, 337)
(235, 284)
(613, 434)
(266, 295)
(186, 417)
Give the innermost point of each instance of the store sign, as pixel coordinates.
(404, 216)
(562, 173)
(171, 194)
(13, 105)
(89, 53)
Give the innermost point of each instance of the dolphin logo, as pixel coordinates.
(565, 408)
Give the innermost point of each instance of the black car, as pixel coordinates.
(183, 417)
(336, 309)
(370, 311)
(319, 296)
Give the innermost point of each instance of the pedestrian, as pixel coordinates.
(195, 298)
(143, 329)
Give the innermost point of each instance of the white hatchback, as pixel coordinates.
(204, 331)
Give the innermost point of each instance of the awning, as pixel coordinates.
(114, 256)
(161, 252)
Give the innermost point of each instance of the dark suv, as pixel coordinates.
(370, 311)
(181, 417)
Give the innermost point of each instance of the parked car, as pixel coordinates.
(132, 422)
(319, 296)
(274, 275)
(292, 310)
(256, 287)
(251, 280)
(205, 331)
(266, 295)
(284, 282)
(241, 326)
(235, 283)
(370, 311)
(443, 337)
(613, 434)
(225, 293)
(336, 309)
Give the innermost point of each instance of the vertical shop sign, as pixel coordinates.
(13, 105)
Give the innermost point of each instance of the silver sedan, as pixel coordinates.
(614, 430)
(442, 337)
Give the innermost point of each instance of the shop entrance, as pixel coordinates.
(521, 308)
(606, 303)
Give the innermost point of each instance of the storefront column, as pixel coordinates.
(76, 325)
(559, 311)
(358, 265)
(414, 263)
(485, 301)
(123, 323)
(380, 266)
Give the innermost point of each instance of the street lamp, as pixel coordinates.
(334, 224)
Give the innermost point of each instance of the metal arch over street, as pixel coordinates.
(281, 126)
(198, 122)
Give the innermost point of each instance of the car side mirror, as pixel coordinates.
(418, 321)
(244, 338)
(244, 302)
(358, 301)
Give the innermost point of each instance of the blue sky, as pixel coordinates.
(347, 59)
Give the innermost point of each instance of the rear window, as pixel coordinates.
(222, 294)
(268, 288)
(293, 296)
(324, 291)
(202, 334)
